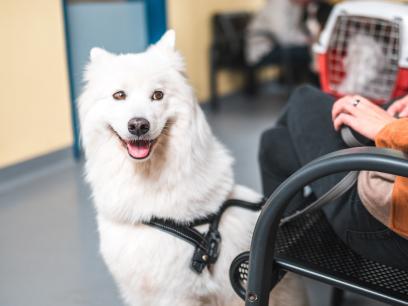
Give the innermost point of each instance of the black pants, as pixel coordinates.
(303, 133)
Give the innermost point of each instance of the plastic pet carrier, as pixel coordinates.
(364, 50)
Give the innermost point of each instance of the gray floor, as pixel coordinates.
(48, 240)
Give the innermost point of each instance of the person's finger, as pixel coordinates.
(344, 119)
(368, 109)
(362, 102)
(360, 99)
(343, 106)
(367, 105)
(403, 113)
(395, 108)
(340, 102)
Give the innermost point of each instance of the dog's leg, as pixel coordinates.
(290, 291)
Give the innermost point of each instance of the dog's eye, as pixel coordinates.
(119, 95)
(157, 95)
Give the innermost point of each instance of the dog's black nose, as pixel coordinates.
(138, 126)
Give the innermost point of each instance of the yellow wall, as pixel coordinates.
(191, 20)
(34, 100)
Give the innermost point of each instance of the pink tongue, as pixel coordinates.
(140, 150)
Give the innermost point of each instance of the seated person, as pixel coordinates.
(372, 217)
(280, 18)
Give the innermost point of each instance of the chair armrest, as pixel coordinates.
(261, 263)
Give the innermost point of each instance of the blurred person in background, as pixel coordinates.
(280, 19)
(287, 29)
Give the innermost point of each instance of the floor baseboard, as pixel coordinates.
(36, 165)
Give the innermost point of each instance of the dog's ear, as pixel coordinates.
(168, 40)
(167, 47)
(98, 54)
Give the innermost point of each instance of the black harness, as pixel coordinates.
(207, 245)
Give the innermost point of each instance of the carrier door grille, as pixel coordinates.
(363, 56)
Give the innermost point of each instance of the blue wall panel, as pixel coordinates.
(156, 19)
(116, 26)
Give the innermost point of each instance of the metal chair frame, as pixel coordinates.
(265, 269)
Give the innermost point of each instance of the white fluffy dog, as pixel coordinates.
(150, 152)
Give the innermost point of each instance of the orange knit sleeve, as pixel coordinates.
(395, 136)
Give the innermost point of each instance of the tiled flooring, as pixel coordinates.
(48, 240)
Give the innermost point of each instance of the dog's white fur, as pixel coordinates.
(187, 175)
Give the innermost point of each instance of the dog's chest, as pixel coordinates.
(146, 257)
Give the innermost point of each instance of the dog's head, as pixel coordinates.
(133, 101)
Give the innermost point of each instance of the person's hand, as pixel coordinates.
(399, 107)
(361, 115)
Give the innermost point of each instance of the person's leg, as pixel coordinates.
(311, 133)
(368, 236)
(304, 133)
(276, 157)
(310, 124)
(277, 161)
(308, 118)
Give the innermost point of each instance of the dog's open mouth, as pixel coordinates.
(139, 149)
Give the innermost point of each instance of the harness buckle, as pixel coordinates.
(213, 238)
(200, 260)
(204, 257)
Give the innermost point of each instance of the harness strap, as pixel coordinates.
(337, 190)
(334, 193)
(187, 233)
(207, 245)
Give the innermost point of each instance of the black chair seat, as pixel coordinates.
(309, 246)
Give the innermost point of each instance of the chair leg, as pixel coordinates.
(337, 297)
(287, 68)
(251, 81)
(213, 84)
